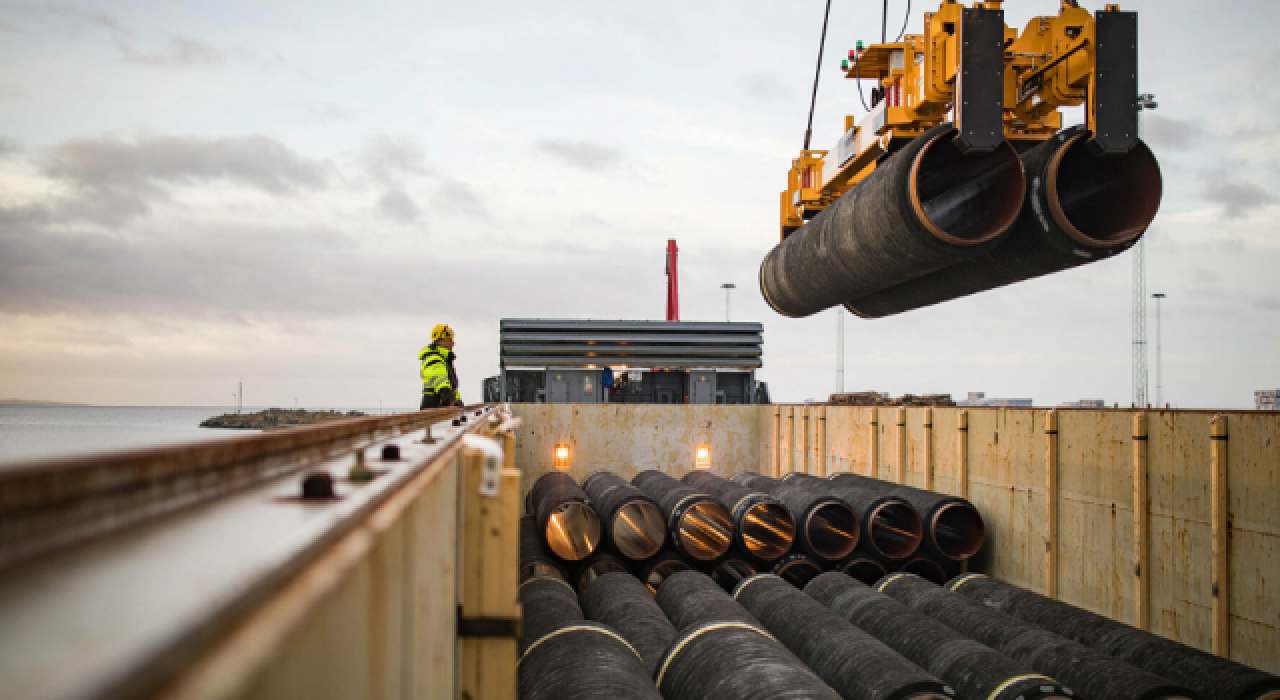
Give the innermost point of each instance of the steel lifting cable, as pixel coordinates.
(813, 99)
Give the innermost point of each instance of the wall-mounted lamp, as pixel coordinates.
(562, 456)
(702, 457)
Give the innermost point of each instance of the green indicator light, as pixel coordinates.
(844, 65)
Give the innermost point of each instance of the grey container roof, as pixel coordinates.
(641, 344)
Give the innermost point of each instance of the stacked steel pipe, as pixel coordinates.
(563, 657)
(1079, 207)
(973, 669)
(826, 529)
(585, 572)
(1210, 676)
(863, 568)
(764, 527)
(700, 527)
(653, 572)
(625, 604)
(729, 572)
(852, 662)
(925, 208)
(1092, 673)
(890, 525)
(797, 569)
(633, 523)
(566, 520)
(535, 558)
(723, 653)
(953, 528)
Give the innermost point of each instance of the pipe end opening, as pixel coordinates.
(768, 529)
(638, 530)
(595, 570)
(705, 531)
(832, 531)
(798, 573)
(926, 569)
(663, 570)
(573, 531)
(958, 531)
(1103, 200)
(867, 571)
(895, 529)
(964, 199)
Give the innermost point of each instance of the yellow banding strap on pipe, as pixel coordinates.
(963, 580)
(891, 579)
(999, 689)
(740, 500)
(697, 633)
(572, 628)
(749, 579)
(682, 500)
(548, 578)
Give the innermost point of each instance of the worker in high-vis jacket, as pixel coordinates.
(439, 379)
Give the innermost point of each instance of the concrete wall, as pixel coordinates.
(1003, 464)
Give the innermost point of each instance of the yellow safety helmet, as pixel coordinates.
(441, 332)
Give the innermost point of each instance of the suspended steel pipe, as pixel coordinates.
(953, 528)
(827, 528)
(1080, 207)
(890, 526)
(565, 518)
(624, 603)
(593, 567)
(925, 208)
(973, 669)
(1210, 676)
(535, 558)
(700, 527)
(633, 522)
(658, 569)
(722, 652)
(852, 662)
(763, 526)
(1092, 673)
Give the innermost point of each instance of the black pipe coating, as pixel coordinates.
(547, 604)
(764, 527)
(722, 652)
(827, 528)
(729, 572)
(565, 517)
(924, 208)
(633, 522)
(625, 604)
(1080, 207)
(797, 569)
(1091, 673)
(535, 558)
(700, 527)
(852, 662)
(953, 528)
(974, 670)
(593, 567)
(658, 569)
(583, 661)
(863, 568)
(926, 568)
(1210, 676)
(890, 525)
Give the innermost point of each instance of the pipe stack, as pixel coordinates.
(563, 657)
(633, 523)
(891, 527)
(1092, 673)
(535, 558)
(568, 523)
(974, 670)
(852, 662)
(700, 527)
(625, 604)
(723, 653)
(827, 528)
(764, 527)
(953, 529)
(1206, 674)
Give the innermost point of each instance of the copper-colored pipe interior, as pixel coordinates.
(895, 529)
(958, 531)
(966, 199)
(705, 531)
(638, 530)
(573, 531)
(768, 530)
(1103, 200)
(832, 530)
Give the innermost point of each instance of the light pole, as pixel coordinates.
(727, 287)
(1159, 363)
(1141, 397)
(839, 349)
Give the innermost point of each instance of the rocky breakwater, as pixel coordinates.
(275, 418)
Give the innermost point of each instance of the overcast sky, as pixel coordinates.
(293, 193)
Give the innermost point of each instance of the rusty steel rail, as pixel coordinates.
(119, 573)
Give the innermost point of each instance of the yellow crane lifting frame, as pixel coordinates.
(1052, 64)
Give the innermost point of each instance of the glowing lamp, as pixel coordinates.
(562, 456)
(702, 457)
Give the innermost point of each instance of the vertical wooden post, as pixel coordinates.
(490, 560)
(1051, 499)
(791, 439)
(962, 454)
(902, 445)
(820, 440)
(874, 447)
(804, 440)
(928, 449)
(1141, 573)
(776, 467)
(1221, 535)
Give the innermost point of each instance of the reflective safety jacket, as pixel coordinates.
(437, 369)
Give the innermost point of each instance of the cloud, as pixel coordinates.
(1173, 134)
(389, 159)
(397, 206)
(1237, 197)
(180, 50)
(8, 147)
(585, 155)
(766, 88)
(460, 198)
